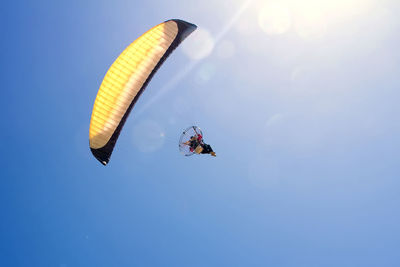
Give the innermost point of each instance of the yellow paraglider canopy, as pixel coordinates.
(125, 81)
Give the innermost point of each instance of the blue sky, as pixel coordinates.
(298, 98)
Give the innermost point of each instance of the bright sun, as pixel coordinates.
(308, 18)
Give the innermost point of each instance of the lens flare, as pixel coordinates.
(200, 45)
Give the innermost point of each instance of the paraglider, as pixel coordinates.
(126, 80)
(192, 142)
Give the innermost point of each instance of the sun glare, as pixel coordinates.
(307, 18)
(274, 18)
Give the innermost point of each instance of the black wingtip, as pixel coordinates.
(183, 22)
(185, 28)
(102, 157)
